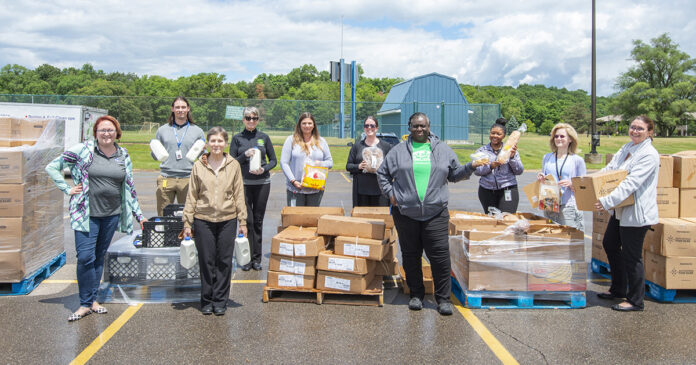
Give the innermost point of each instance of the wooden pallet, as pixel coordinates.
(372, 296)
(31, 281)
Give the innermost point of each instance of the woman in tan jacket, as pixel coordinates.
(214, 205)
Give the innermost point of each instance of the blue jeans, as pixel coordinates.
(91, 248)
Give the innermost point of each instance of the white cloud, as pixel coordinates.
(485, 43)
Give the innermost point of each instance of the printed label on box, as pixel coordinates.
(301, 250)
(289, 280)
(292, 266)
(341, 264)
(285, 249)
(352, 249)
(337, 283)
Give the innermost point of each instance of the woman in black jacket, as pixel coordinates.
(365, 188)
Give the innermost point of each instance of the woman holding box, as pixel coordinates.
(214, 205)
(623, 239)
(304, 148)
(103, 200)
(498, 184)
(414, 176)
(563, 164)
(365, 188)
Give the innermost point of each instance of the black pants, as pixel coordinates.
(371, 201)
(256, 199)
(624, 248)
(215, 245)
(431, 236)
(496, 198)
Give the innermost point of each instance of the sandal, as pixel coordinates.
(76, 317)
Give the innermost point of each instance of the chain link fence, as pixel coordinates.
(463, 123)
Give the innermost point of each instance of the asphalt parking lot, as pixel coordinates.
(35, 329)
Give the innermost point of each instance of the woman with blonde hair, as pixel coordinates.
(304, 147)
(563, 163)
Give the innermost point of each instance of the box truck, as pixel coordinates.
(78, 119)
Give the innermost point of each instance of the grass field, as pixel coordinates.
(531, 147)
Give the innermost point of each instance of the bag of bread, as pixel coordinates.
(374, 158)
(314, 177)
(504, 155)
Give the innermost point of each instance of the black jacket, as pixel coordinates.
(366, 182)
(245, 140)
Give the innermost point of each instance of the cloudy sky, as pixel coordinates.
(490, 42)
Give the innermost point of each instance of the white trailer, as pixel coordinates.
(78, 119)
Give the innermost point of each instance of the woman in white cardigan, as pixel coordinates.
(623, 239)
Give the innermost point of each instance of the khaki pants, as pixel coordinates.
(169, 188)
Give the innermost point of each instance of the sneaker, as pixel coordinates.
(415, 304)
(445, 308)
(246, 267)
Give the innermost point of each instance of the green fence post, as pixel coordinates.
(442, 120)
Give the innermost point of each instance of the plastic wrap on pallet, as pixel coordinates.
(148, 275)
(31, 207)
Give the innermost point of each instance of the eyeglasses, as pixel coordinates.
(106, 131)
(249, 119)
(368, 126)
(637, 129)
(559, 136)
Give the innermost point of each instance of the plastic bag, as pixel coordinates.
(504, 154)
(549, 196)
(314, 177)
(479, 158)
(374, 158)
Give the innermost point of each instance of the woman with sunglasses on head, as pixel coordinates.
(623, 239)
(498, 184)
(366, 190)
(563, 164)
(304, 147)
(102, 201)
(257, 183)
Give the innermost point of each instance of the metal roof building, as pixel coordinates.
(436, 95)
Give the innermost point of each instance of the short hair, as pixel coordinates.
(369, 117)
(188, 114)
(572, 134)
(499, 123)
(250, 110)
(645, 119)
(215, 131)
(417, 115)
(109, 119)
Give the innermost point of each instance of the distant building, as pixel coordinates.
(427, 94)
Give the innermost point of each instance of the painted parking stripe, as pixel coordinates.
(498, 349)
(344, 176)
(105, 336)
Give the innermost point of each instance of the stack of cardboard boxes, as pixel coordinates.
(489, 255)
(31, 207)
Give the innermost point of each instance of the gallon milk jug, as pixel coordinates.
(158, 150)
(255, 162)
(195, 150)
(188, 255)
(241, 250)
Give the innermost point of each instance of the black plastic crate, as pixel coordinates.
(161, 269)
(122, 268)
(164, 233)
(173, 210)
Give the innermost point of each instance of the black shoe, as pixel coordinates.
(207, 309)
(607, 296)
(256, 266)
(219, 311)
(415, 304)
(246, 267)
(631, 308)
(445, 308)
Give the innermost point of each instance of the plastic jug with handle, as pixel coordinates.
(241, 250)
(195, 150)
(188, 255)
(158, 150)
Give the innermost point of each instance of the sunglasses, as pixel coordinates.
(249, 119)
(559, 136)
(367, 126)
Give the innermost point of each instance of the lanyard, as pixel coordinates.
(564, 161)
(176, 135)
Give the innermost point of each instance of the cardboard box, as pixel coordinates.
(493, 244)
(551, 275)
(687, 203)
(591, 187)
(9, 130)
(329, 261)
(469, 216)
(665, 177)
(391, 252)
(496, 275)
(17, 200)
(287, 280)
(306, 216)
(387, 267)
(600, 221)
(684, 170)
(670, 272)
(554, 243)
(668, 202)
(671, 237)
(598, 252)
(364, 247)
(375, 213)
(426, 268)
(542, 198)
(607, 158)
(31, 130)
(12, 232)
(458, 225)
(343, 282)
(429, 283)
(332, 225)
(294, 265)
(297, 242)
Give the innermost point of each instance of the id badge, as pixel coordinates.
(508, 195)
(179, 156)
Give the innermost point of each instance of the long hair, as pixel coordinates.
(572, 134)
(188, 114)
(297, 136)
